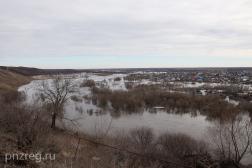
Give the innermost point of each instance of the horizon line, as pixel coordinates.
(109, 68)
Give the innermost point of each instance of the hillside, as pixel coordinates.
(28, 71)
(10, 80)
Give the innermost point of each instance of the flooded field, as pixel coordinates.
(93, 119)
(90, 119)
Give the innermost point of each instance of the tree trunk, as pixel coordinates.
(53, 120)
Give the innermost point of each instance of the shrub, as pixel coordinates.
(88, 83)
(178, 146)
(26, 123)
(117, 79)
(76, 98)
(143, 140)
(11, 96)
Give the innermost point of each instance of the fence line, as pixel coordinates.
(127, 151)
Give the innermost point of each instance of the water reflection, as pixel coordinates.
(159, 120)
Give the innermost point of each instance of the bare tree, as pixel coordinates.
(233, 139)
(55, 93)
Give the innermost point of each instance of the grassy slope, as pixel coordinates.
(10, 81)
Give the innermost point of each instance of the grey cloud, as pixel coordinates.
(81, 27)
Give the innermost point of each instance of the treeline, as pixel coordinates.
(143, 97)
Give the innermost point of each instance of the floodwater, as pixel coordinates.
(93, 120)
(90, 119)
(98, 122)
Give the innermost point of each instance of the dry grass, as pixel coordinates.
(9, 81)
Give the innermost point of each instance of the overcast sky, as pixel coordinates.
(125, 33)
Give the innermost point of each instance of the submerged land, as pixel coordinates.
(149, 117)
